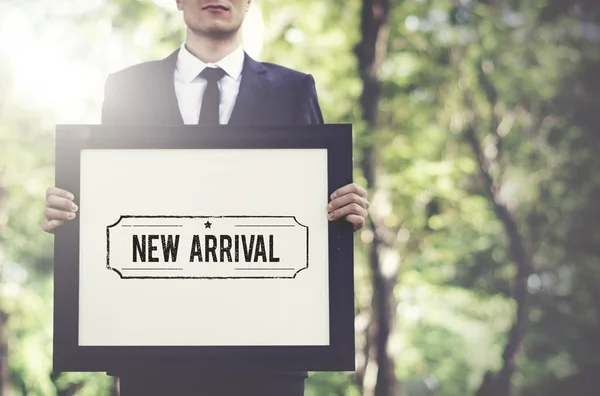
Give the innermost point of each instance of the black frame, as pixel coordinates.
(338, 356)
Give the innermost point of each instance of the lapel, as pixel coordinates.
(253, 89)
(166, 106)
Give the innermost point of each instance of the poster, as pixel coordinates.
(203, 246)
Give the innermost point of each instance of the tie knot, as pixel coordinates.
(212, 74)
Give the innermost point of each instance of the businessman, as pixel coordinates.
(210, 80)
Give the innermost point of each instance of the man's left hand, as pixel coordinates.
(351, 203)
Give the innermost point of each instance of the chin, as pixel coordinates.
(218, 32)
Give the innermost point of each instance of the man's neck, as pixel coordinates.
(209, 49)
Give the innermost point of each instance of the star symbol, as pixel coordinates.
(207, 224)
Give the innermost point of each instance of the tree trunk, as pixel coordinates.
(497, 384)
(4, 377)
(500, 384)
(4, 385)
(378, 377)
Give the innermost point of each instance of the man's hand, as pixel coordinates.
(350, 202)
(59, 208)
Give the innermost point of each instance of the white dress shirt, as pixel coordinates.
(189, 87)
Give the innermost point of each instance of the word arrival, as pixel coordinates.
(224, 248)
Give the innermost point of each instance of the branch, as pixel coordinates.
(491, 94)
(499, 385)
(522, 261)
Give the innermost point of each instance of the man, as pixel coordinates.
(211, 80)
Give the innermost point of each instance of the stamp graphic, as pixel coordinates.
(207, 247)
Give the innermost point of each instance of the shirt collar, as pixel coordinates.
(189, 66)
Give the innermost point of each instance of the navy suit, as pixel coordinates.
(269, 94)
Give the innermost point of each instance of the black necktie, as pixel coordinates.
(209, 113)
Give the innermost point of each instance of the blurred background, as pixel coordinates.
(476, 131)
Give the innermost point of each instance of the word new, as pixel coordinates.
(225, 248)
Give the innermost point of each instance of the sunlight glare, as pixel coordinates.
(44, 77)
(49, 75)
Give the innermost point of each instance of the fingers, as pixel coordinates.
(348, 189)
(57, 202)
(350, 202)
(55, 214)
(347, 200)
(59, 193)
(357, 221)
(58, 209)
(351, 209)
(52, 225)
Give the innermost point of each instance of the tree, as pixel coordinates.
(370, 52)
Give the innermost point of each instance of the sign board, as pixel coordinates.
(203, 246)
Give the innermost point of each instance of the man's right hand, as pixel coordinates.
(59, 208)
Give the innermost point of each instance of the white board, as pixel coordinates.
(278, 297)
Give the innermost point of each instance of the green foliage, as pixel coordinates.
(526, 70)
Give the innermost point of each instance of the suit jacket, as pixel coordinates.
(269, 94)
